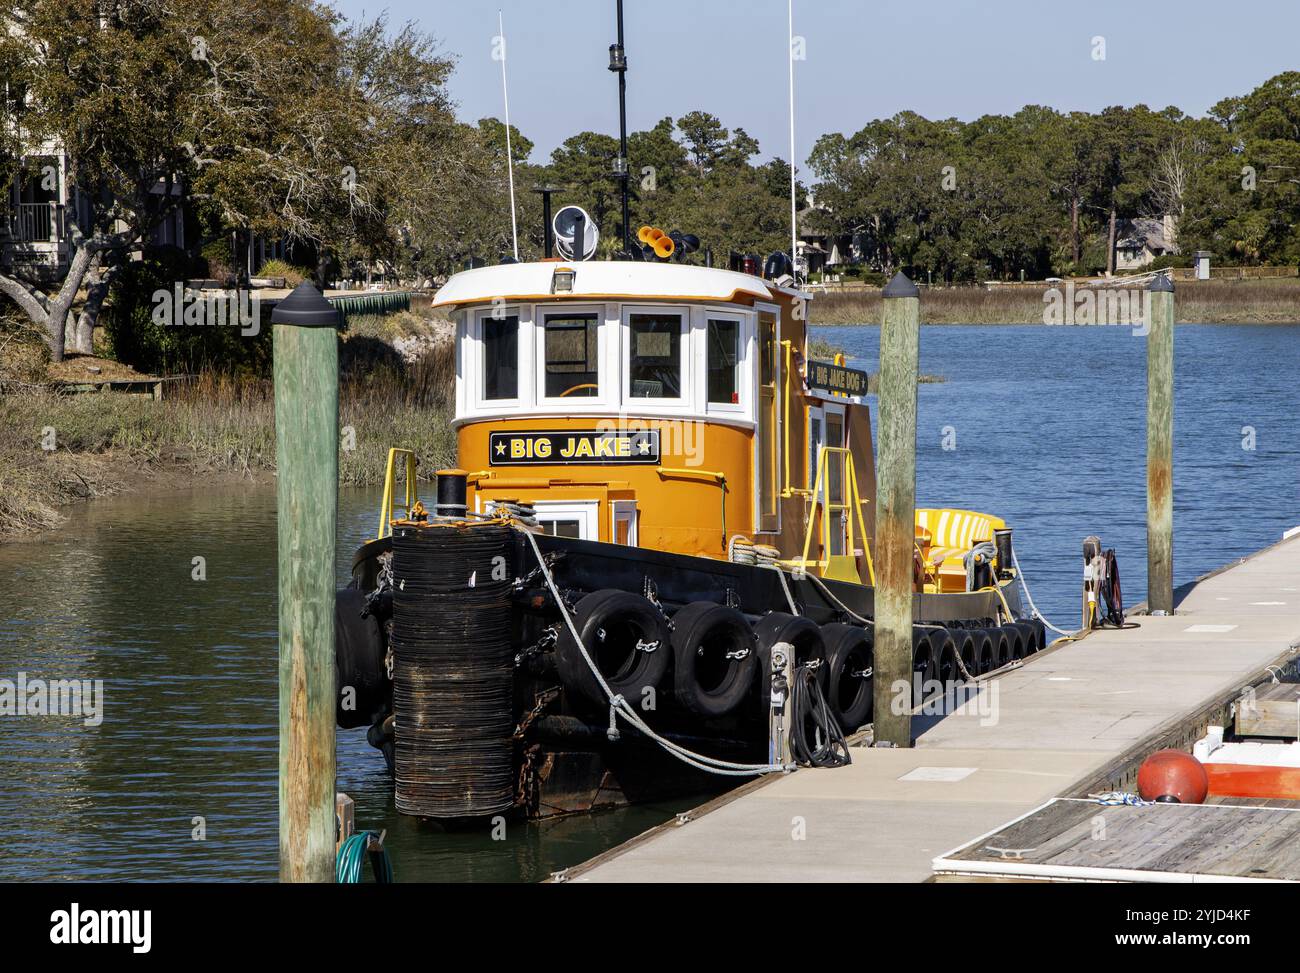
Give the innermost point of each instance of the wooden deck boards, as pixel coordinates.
(1077, 838)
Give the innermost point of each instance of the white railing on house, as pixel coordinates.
(35, 222)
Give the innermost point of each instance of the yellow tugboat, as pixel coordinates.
(652, 570)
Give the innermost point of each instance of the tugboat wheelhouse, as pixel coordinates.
(691, 355)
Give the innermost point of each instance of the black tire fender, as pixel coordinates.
(801, 632)
(713, 658)
(1001, 647)
(849, 651)
(925, 665)
(945, 657)
(1015, 641)
(968, 652)
(626, 637)
(1040, 633)
(358, 661)
(986, 651)
(1028, 637)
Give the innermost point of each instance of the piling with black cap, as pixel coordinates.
(1160, 447)
(1002, 541)
(305, 352)
(895, 513)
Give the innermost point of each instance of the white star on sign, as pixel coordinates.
(643, 446)
(501, 448)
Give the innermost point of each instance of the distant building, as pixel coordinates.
(1138, 242)
(822, 252)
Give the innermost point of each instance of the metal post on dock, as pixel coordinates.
(895, 515)
(1160, 447)
(305, 352)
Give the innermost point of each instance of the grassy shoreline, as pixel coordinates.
(1269, 301)
(56, 449)
(109, 444)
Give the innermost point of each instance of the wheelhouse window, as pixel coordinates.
(572, 348)
(655, 356)
(500, 357)
(835, 461)
(722, 336)
(575, 518)
(558, 527)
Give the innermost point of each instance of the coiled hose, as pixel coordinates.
(347, 866)
(827, 748)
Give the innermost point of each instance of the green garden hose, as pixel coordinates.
(347, 869)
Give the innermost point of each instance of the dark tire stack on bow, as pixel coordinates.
(453, 671)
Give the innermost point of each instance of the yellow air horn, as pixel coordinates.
(649, 234)
(664, 246)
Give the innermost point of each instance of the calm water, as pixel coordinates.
(1050, 434)
(189, 726)
(1049, 428)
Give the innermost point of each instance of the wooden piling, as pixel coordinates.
(1160, 447)
(305, 349)
(895, 514)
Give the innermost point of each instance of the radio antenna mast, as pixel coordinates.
(794, 215)
(510, 161)
(618, 64)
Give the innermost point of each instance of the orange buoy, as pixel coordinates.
(1172, 776)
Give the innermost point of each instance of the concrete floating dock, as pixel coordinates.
(1073, 721)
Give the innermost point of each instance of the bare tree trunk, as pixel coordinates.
(61, 306)
(88, 319)
(33, 303)
(51, 314)
(1110, 243)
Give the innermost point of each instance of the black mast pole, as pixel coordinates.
(547, 231)
(618, 64)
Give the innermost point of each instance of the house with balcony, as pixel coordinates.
(34, 216)
(38, 208)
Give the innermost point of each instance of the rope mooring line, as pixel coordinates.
(1030, 598)
(618, 706)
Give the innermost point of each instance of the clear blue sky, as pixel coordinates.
(865, 59)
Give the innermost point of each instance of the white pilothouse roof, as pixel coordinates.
(604, 279)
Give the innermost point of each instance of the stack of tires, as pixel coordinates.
(453, 671)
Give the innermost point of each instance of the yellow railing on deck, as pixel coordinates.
(390, 481)
(842, 567)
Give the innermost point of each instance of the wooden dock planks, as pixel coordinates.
(1080, 839)
(1270, 711)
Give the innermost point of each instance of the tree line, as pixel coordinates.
(1039, 192)
(1044, 192)
(282, 120)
